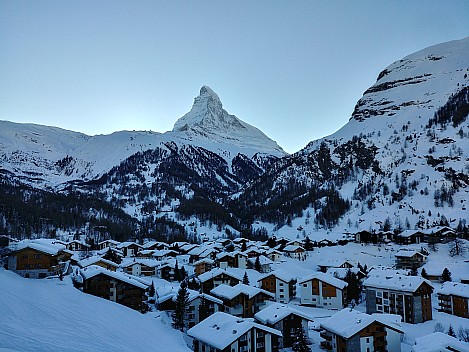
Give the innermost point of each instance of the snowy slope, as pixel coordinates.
(49, 315)
(389, 161)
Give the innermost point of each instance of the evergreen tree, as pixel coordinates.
(413, 271)
(451, 331)
(151, 291)
(177, 276)
(203, 309)
(257, 264)
(446, 275)
(193, 284)
(182, 274)
(181, 309)
(424, 274)
(354, 287)
(245, 278)
(244, 246)
(308, 244)
(300, 342)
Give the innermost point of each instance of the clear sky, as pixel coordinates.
(294, 69)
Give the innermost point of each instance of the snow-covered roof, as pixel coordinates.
(406, 253)
(230, 292)
(43, 246)
(204, 260)
(454, 289)
(409, 233)
(328, 279)
(334, 263)
(92, 260)
(128, 244)
(283, 275)
(94, 270)
(224, 254)
(398, 283)
(142, 261)
(292, 248)
(221, 329)
(275, 312)
(217, 272)
(109, 241)
(348, 322)
(439, 342)
(163, 252)
(340, 273)
(263, 260)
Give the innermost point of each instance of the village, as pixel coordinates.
(367, 292)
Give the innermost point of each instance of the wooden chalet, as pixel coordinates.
(353, 331)
(115, 286)
(216, 277)
(409, 259)
(323, 290)
(453, 298)
(279, 282)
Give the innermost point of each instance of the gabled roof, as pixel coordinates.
(398, 283)
(217, 272)
(152, 263)
(94, 270)
(128, 244)
(340, 273)
(409, 233)
(263, 260)
(334, 263)
(275, 312)
(328, 279)
(204, 260)
(109, 241)
(221, 329)
(230, 292)
(349, 322)
(280, 274)
(439, 342)
(405, 253)
(454, 289)
(92, 260)
(292, 248)
(43, 246)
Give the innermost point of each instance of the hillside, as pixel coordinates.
(49, 315)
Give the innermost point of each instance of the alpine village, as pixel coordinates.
(211, 238)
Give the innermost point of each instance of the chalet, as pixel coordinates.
(286, 319)
(217, 277)
(38, 260)
(166, 301)
(200, 252)
(407, 296)
(226, 333)
(140, 267)
(439, 234)
(453, 298)
(341, 273)
(166, 270)
(242, 300)
(253, 252)
(279, 282)
(129, 249)
(163, 254)
(115, 286)
(77, 246)
(97, 260)
(439, 342)
(294, 251)
(146, 253)
(186, 248)
(409, 237)
(325, 264)
(322, 290)
(203, 265)
(223, 241)
(226, 260)
(409, 259)
(274, 255)
(108, 244)
(264, 263)
(353, 331)
(155, 245)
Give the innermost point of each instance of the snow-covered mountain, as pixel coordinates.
(49, 156)
(401, 161)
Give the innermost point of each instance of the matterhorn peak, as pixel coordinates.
(208, 119)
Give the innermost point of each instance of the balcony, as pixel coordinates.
(325, 336)
(326, 345)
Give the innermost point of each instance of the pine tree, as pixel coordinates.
(424, 274)
(257, 264)
(176, 272)
(446, 275)
(244, 247)
(353, 287)
(245, 278)
(151, 291)
(300, 342)
(182, 274)
(181, 309)
(308, 244)
(203, 309)
(451, 331)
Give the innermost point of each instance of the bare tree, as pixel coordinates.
(457, 247)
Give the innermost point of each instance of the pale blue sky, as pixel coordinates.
(294, 69)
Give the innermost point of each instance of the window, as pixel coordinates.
(281, 290)
(367, 340)
(379, 294)
(305, 285)
(260, 344)
(260, 333)
(281, 284)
